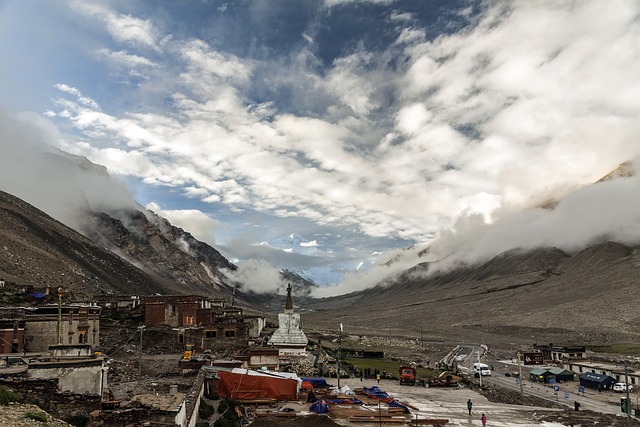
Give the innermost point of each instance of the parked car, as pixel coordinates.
(622, 387)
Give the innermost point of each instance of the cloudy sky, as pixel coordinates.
(357, 127)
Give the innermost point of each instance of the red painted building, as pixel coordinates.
(11, 336)
(176, 310)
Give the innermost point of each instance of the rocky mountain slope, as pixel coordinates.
(41, 252)
(543, 295)
(167, 253)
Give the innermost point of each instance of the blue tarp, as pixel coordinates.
(396, 404)
(375, 392)
(378, 393)
(319, 407)
(38, 295)
(317, 382)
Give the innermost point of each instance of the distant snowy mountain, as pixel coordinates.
(294, 243)
(329, 271)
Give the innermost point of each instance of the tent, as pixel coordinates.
(541, 375)
(248, 385)
(562, 375)
(591, 380)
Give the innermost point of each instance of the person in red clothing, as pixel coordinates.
(484, 420)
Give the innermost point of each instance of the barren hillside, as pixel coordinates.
(544, 295)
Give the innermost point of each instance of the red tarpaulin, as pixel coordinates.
(242, 386)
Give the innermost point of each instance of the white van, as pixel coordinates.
(481, 369)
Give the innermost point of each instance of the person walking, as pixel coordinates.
(576, 405)
(484, 420)
(378, 377)
(469, 405)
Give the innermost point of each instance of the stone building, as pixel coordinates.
(118, 302)
(34, 329)
(203, 322)
(289, 338)
(260, 358)
(558, 353)
(226, 328)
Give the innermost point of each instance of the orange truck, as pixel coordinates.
(407, 375)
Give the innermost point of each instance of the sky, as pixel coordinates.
(330, 136)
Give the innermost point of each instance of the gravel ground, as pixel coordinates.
(15, 414)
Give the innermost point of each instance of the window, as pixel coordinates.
(188, 320)
(580, 369)
(210, 334)
(181, 338)
(229, 334)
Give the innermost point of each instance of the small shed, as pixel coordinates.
(591, 380)
(562, 375)
(541, 375)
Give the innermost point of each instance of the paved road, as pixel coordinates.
(544, 391)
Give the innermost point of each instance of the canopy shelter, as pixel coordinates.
(591, 380)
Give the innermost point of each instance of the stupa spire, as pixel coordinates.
(289, 304)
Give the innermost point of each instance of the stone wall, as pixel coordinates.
(188, 415)
(87, 378)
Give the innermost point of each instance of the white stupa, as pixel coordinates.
(289, 338)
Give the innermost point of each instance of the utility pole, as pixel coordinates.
(59, 325)
(479, 370)
(520, 375)
(628, 403)
(141, 329)
(339, 353)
